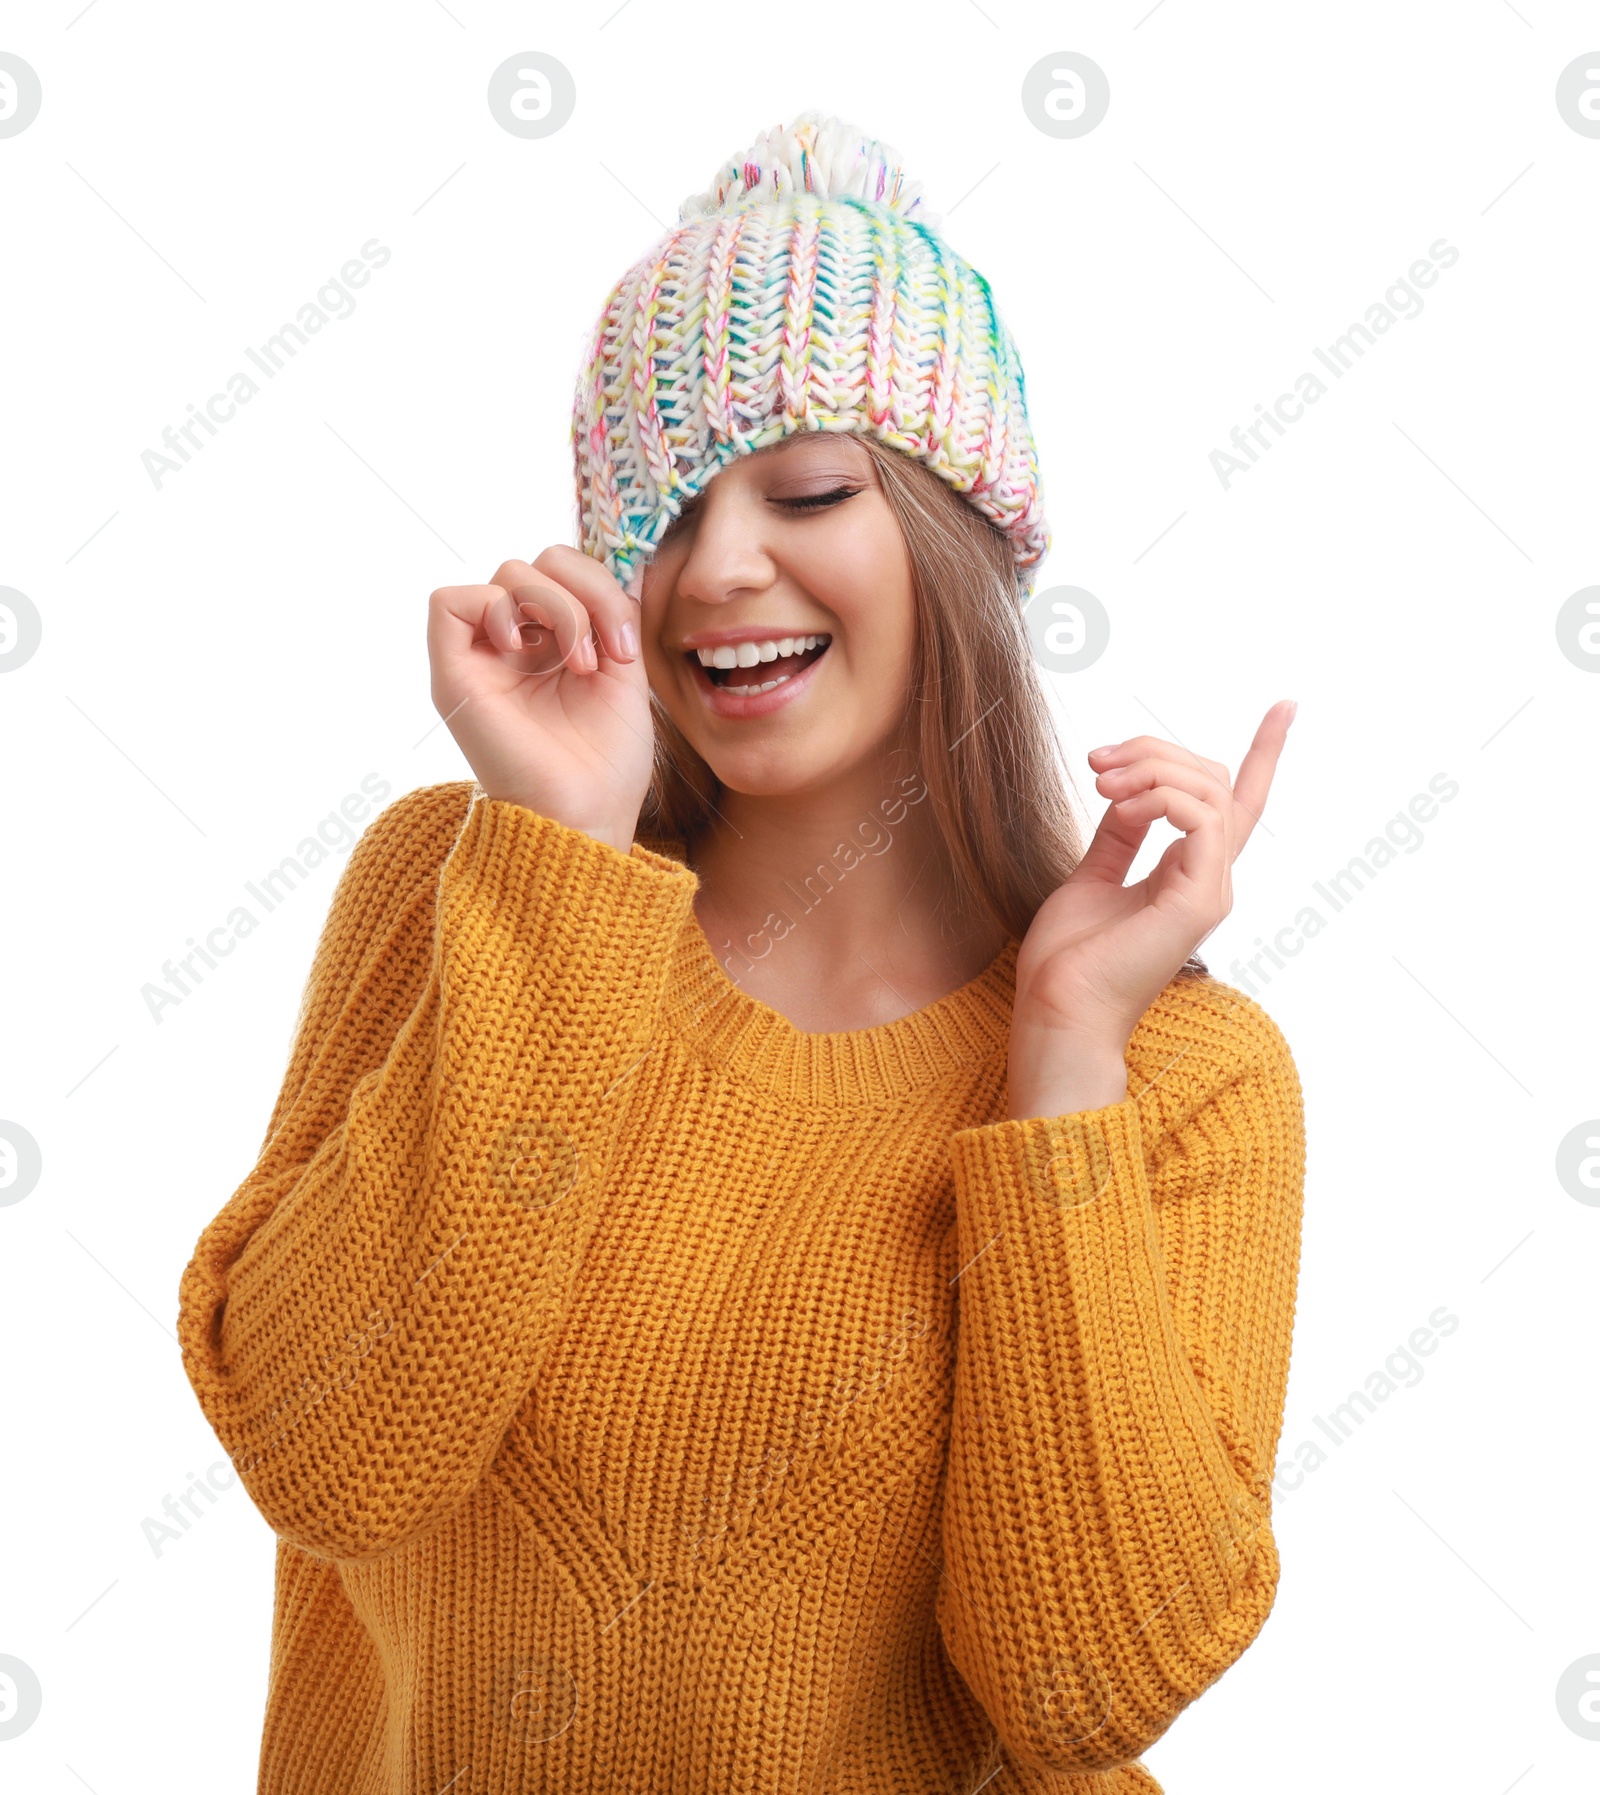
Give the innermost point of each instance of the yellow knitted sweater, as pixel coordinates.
(651, 1398)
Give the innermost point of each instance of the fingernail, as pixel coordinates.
(630, 640)
(589, 658)
(1105, 750)
(1294, 709)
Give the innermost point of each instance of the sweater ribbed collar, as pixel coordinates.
(856, 1070)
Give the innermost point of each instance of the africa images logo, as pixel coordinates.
(1400, 302)
(332, 302)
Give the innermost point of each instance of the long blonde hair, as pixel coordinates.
(985, 740)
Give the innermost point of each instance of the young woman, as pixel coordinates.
(771, 1268)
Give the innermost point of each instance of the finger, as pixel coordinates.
(1202, 862)
(591, 583)
(1171, 866)
(1258, 766)
(459, 616)
(1251, 799)
(556, 609)
(1114, 847)
(1142, 775)
(1118, 754)
(1156, 770)
(556, 629)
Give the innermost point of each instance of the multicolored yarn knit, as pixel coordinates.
(651, 1397)
(806, 289)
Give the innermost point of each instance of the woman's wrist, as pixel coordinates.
(1053, 1073)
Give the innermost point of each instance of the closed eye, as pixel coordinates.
(815, 501)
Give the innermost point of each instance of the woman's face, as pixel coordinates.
(794, 541)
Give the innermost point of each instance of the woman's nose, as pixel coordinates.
(727, 557)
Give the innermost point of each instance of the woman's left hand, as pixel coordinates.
(1099, 952)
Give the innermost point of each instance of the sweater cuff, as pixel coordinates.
(540, 894)
(1063, 1162)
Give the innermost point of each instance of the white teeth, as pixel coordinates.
(750, 654)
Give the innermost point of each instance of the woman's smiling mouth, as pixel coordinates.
(755, 676)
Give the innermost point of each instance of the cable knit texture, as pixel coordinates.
(651, 1398)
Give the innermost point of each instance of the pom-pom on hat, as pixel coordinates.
(807, 288)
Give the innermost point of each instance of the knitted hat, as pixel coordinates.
(806, 289)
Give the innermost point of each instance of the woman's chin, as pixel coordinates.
(767, 776)
(806, 762)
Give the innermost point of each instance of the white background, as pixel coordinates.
(225, 658)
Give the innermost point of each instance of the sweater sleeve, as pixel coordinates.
(365, 1315)
(1126, 1306)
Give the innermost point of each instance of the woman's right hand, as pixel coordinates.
(546, 718)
